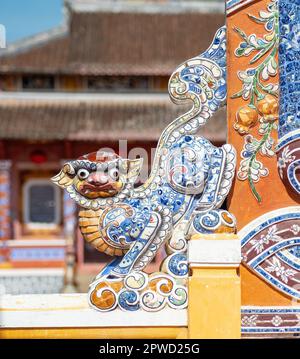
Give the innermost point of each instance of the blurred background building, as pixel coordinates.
(98, 78)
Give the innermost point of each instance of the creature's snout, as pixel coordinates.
(98, 179)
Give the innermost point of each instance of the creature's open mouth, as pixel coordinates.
(87, 188)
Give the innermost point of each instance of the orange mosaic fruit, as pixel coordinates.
(268, 108)
(246, 117)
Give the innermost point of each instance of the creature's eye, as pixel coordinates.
(113, 173)
(83, 173)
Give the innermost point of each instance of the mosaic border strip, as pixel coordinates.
(266, 219)
(267, 320)
(268, 248)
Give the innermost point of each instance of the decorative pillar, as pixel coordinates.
(263, 76)
(5, 205)
(214, 309)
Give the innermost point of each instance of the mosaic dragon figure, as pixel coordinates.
(189, 181)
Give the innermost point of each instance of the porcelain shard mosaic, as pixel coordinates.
(189, 181)
(288, 149)
(270, 248)
(289, 62)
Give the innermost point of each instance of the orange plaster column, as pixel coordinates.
(252, 113)
(214, 309)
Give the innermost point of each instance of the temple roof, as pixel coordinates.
(92, 117)
(134, 39)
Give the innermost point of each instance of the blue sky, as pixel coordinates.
(22, 18)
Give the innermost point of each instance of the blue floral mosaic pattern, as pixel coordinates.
(289, 65)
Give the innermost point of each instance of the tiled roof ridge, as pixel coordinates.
(66, 97)
(171, 7)
(35, 40)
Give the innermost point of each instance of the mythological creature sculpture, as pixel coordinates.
(189, 181)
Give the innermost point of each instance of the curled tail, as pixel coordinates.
(202, 81)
